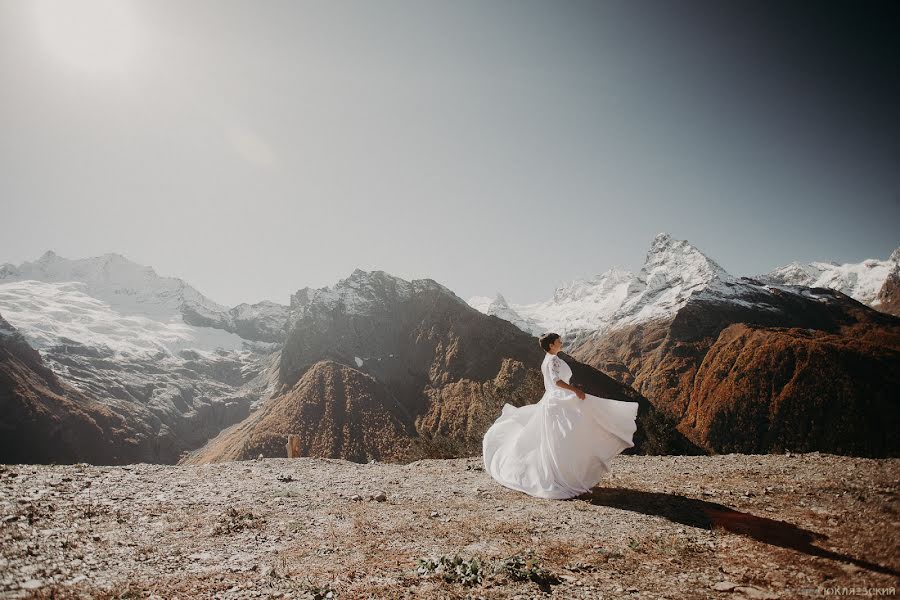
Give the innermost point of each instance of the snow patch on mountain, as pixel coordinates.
(480, 303)
(581, 304)
(673, 270)
(861, 281)
(127, 287)
(361, 293)
(47, 314)
(500, 308)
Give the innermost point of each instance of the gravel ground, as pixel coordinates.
(731, 526)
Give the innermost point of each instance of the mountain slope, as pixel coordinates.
(132, 289)
(500, 308)
(755, 364)
(337, 411)
(441, 369)
(751, 371)
(762, 389)
(44, 420)
(151, 349)
(888, 299)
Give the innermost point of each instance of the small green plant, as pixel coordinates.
(527, 568)
(324, 592)
(674, 545)
(635, 545)
(234, 520)
(609, 554)
(454, 569)
(296, 526)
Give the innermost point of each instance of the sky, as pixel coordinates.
(255, 148)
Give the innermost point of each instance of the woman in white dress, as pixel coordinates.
(561, 446)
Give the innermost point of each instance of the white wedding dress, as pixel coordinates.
(560, 447)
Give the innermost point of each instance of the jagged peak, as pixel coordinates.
(895, 255)
(616, 272)
(499, 301)
(680, 256)
(365, 288)
(359, 276)
(661, 240)
(53, 261)
(261, 303)
(115, 256)
(602, 284)
(52, 256)
(8, 270)
(114, 278)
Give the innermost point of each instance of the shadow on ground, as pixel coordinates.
(710, 515)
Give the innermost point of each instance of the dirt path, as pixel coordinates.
(729, 526)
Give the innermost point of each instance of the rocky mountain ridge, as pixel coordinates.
(673, 270)
(173, 365)
(133, 289)
(431, 372)
(765, 369)
(151, 349)
(861, 281)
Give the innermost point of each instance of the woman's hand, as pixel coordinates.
(570, 387)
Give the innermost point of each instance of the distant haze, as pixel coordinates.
(253, 148)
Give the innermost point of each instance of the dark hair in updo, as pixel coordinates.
(547, 340)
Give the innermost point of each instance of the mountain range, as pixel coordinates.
(742, 364)
(103, 360)
(673, 270)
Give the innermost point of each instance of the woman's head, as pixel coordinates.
(549, 341)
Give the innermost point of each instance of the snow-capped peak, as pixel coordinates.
(126, 286)
(861, 281)
(594, 288)
(362, 291)
(678, 262)
(499, 302)
(500, 308)
(672, 271)
(480, 303)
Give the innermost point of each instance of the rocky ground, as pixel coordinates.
(731, 526)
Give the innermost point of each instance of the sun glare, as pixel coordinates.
(90, 35)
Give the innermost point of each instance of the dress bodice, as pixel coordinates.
(555, 368)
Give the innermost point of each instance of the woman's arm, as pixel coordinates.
(566, 386)
(555, 363)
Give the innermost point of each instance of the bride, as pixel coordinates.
(561, 446)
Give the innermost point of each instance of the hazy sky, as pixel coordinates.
(254, 148)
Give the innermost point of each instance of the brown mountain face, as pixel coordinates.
(436, 371)
(888, 299)
(656, 432)
(760, 389)
(802, 369)
(43, 420)
(338, 412)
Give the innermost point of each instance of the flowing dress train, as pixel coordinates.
(561, 446)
